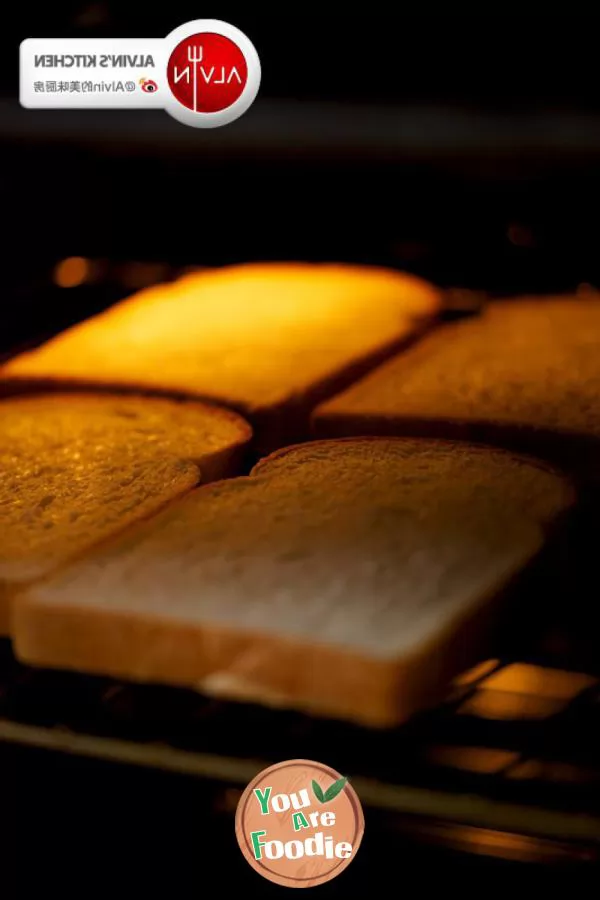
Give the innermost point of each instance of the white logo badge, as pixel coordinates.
(205, 73)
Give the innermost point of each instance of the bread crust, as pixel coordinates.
(320, 676)
(426, 440)
(342, 321)
(524, 375)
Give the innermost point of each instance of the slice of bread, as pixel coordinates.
(349, 578)
(76, 469)
(525, 375)
(269, 340)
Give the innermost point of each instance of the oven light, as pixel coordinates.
(71, 272)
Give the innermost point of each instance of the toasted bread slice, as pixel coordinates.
(348, 578)
(269, 340)
(524, 375)
(78, 468)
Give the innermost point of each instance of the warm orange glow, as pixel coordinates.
(503, 845)
(252, 335)
(521, 678)
(483, 760)
(547, 770)
(71, 272)
(476, 673)
(504, 706)
(506, 844)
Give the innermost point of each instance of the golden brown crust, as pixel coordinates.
(524, 375)
(79, 468)
(267, 340)
(21, 386)
(448, 443)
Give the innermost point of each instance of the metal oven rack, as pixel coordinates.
(509, 763)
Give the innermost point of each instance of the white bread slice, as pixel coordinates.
(524, 375)
(269, 340)
(341, 577)
(76, 469)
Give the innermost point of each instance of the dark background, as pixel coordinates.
(461, 145)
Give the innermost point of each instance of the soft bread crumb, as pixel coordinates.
(337, 576)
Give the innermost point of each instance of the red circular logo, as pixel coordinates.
(207, 72)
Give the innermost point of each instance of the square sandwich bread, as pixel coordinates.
(525, 374)
(269, 340)
(350, 578)
(77, 468)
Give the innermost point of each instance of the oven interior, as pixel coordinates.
(486, 194)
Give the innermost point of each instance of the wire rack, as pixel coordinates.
(514, 748)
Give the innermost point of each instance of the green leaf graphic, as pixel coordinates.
(334, 789)
(318, 792)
